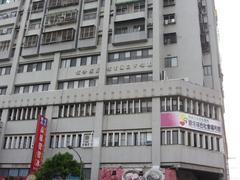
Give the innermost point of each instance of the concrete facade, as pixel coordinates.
(105, 73)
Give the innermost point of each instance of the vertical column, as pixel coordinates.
(96, 153)
(55, 68)
(18, 47)
(157, 39)
(104, 46)
(156, 137)
(49, 113)
(3, 130)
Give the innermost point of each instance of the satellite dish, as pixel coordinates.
(154, 174)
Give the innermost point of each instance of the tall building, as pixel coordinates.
(130, 84)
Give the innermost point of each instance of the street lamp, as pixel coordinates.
(81, 162)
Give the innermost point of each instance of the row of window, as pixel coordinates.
(190, 138)
(31, 88)
(128, 106)
(26, 113)
(130, 28)
(5, 70)
(6, 30)
(3, 90)
(127, 138)
(7, 15)
(61, 3)
(58, 36)
(75, 84)
(89, 14)
(200, 108)
(130, 55)
(83, 139)
(134, 78)
(61, 18)
(167, 3)
(130, 7)
(19, 142)
(76, 110)
(13, 172)
(39, 66)
(79, 61)
(37, 6)
(4, 46)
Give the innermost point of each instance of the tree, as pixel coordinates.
(60, 165)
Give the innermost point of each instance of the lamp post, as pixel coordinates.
(81, 162)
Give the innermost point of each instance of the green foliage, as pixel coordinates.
(59, 165)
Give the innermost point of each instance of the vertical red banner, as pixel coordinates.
(38, 149)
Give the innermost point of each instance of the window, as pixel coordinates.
(130, 79)
(169, 19)
(4, 46)
(61, 18)
(130, 55)
(207, 70)
(87, 32)
(175, 137)
(31, 88)
(171, 62)
(37, 6)
(167, 3)
(61, 3)
(3, 91)
(58, 36)
(31, 41)
(170, 38)
(89, 14)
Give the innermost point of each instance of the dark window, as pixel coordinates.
(170, 38)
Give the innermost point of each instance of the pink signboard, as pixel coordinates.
(190, 121)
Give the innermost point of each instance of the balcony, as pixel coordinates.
(130, 16)
(119, 39)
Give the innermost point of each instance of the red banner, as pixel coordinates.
(39, 144)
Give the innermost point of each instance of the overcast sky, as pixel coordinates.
(229, 30)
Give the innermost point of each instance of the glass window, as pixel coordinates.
(70, 85)
(110, 139)
(129, 139)
(92, 82)
(29, 67)
(123, 139)
(35, 88)
(48, 65)
(94, 59)
(168, 137)
(45, 87)
(163, 138)
(104, 140)
(39, 67)
(26, 89)
(116, 139)
(13, 172)
(175, 137)
(81, 83)
(83, 61)
(73, 62)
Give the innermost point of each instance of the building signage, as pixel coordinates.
(39, 144)
(116, 68)
(189, 121)
(108, 173)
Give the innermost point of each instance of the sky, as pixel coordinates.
(229, 39)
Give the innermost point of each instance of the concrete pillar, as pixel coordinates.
(97, 139)
(156, 133)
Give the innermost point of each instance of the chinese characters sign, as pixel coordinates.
(189, 121)
(39, 144)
